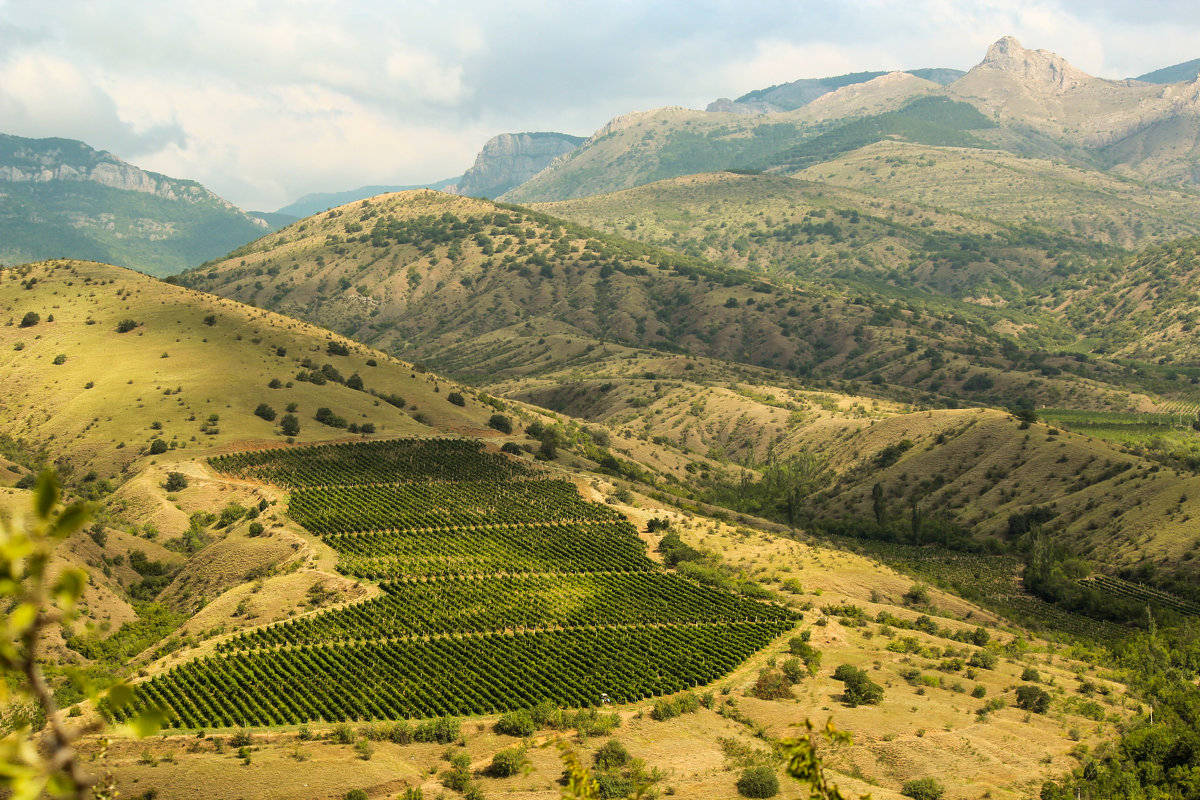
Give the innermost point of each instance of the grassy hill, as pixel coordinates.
(482, 291)
(62, 199)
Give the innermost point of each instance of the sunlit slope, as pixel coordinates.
(190, 371)
(482, 290)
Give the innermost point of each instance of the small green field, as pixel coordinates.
(506, 589)
(1170, 435)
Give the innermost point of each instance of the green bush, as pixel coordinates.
(760, 781)
(176, 481)
(442, 730)
(611, 755)
(355, 794)
(516, 723)
(860, 689)
(158, 447)
(984, 659)
(30, 319)
(500, 423)
(507, 762)
(126, 325)
(265, 412)
(923, 789)
(289, 425)
(456, 398)
(773, 684)
(1033, 698)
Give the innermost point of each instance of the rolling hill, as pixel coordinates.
(483, 291)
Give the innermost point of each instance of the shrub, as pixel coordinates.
(158, 447)
(210, 320)
(355, 382)
(326, 417)
(176, 481)
(256, 529)
(511, 447)
(923, 789)
(516, 723)
(265, 411)
(356, 794)
(983, 659)
(917, 595)
(860, 689)
(442, 730)
(30, 319)
(337, 349)
(275, 383)
(613, 785)
(126, 325)
(760, 781)
(507, 762)
(611, 755)
(289, 425)
(500, 423)
(1032, 675)
(59, 359)
(456, 398)
(342, 734)
(1033, 698)
(772, 684)
(241, 739)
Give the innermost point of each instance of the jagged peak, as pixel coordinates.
(1042, 66)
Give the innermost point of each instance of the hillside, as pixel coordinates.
(795, 228)
(59, 198)
(482, 291)
(794, 94)
(189, 372)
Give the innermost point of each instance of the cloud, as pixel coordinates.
(264, 102)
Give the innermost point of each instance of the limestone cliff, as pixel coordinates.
(509, 160)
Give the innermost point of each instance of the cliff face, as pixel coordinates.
(48, 160)
(60, 197)
(509, 160)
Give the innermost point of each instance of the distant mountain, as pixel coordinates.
(1033, 103)
(62, 198)
(510, 159)
(790, 96)
(1187, 71)
(317, 202)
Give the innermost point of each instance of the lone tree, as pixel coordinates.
(30, 319)
(289, 425)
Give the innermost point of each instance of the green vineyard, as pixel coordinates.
(385, 461)
(506, 602)
(1143, 594)
(447, 676)
(502, 588)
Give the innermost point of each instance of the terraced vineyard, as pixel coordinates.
(1143, 594)
(505, 588)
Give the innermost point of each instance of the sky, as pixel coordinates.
(264, 102)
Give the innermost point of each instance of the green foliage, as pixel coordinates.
(611, 755)
(923, 789)
(508, 762)
(516, 723)
(456, 398)
(760, 781)
(127, 325)
(500, 423)
(264, 411)
(773, 684)
(1033, 698)
(860, 689)
(158, 447)
(30, 319)
(356, 794)
(176, 481)
(289, 425)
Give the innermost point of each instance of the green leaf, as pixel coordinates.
(21, 619)
(120, 695)
(69, 588)
(71, 519)
(46, 494)
(148, 722)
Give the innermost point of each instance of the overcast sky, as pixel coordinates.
(265, 101)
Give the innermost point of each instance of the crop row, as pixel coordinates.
(384, 461)
(1145, 594)
(440, 505)
(554, 547)
(493, 603)
(426, 678)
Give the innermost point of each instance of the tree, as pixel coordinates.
(126, 325)
(158, 447)
(175, 482)
(500, 423)
(877, 503)
(265, 411)
(289, 425)
(456, 398)
(30, 319)
(1033, 698)
(860, 689)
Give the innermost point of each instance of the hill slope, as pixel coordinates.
(60, 198)
(481, 291)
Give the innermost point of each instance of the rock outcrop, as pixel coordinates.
(510, 159)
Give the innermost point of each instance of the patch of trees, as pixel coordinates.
(860, 689)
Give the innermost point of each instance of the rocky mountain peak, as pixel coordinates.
(509, 160)
(1037, 66)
